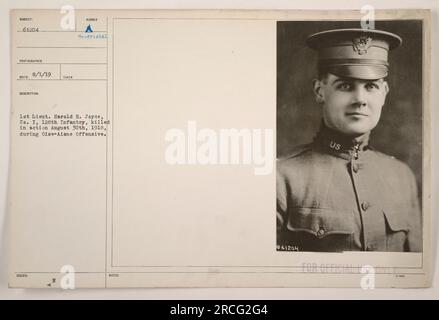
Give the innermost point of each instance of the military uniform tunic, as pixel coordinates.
(338, 194)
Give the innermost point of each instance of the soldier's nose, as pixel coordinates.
(359, 98)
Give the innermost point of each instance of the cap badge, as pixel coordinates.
(361, 44)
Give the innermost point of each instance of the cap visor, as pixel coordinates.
(359, 72)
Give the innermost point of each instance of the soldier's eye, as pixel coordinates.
(345, 86)
(372, 86)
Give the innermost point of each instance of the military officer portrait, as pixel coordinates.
(336, 189)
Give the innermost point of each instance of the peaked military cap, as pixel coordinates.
(354, 53)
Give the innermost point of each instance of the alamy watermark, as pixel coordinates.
(68, 278)
(221, 147)
(367, 280)
(68, 20)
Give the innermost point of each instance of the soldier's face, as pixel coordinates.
(351, 106)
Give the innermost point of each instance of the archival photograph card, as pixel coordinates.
(204, 148)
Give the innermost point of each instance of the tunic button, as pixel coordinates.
(355, 167)
(321, 232)
(365, 205)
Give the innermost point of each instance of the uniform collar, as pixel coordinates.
(340, 145)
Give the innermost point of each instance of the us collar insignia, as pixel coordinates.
(362, 44)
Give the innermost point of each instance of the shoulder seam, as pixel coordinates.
(296, 152)
(384, 155)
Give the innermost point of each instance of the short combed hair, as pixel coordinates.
(322, 74)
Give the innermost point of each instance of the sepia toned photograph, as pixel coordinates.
(161, 141)
(349, 136)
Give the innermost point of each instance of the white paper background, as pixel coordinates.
(301, 293)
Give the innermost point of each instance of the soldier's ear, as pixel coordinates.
(318, 90)
(386, 87)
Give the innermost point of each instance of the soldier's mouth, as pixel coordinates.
(357, 114)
